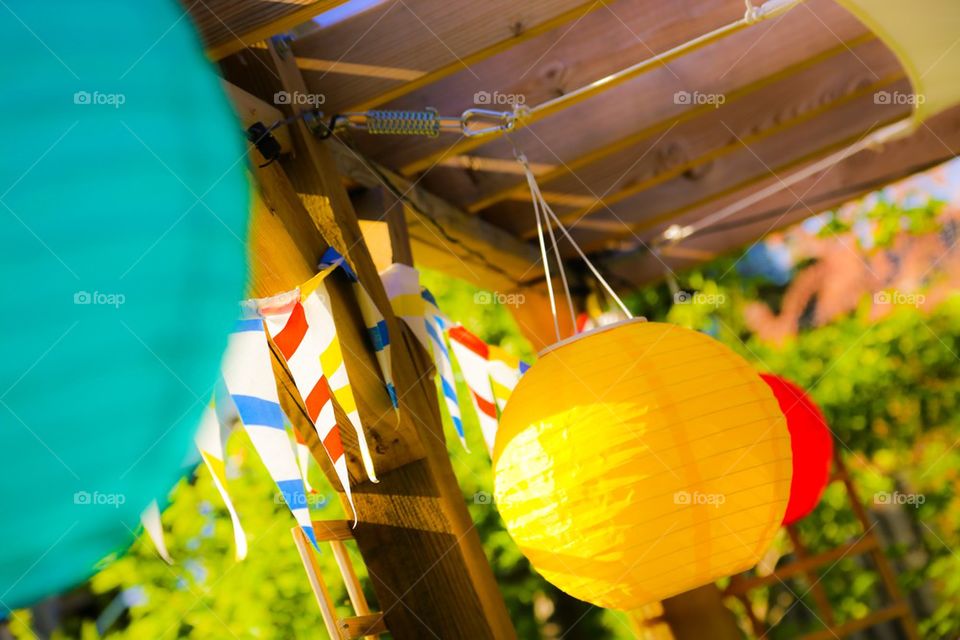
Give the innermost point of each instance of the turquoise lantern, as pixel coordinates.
(123, 208)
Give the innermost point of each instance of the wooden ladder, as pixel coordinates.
(806, 565)
(365, 624)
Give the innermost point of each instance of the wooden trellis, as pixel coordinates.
(806, 565)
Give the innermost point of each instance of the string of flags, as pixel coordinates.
(300, 325)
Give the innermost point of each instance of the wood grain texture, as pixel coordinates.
(867, 171)
(428, 36)
(227, 26)
(445, 238)
(607, 41)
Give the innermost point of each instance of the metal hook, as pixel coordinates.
(496, 121)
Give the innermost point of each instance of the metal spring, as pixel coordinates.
(411, 123)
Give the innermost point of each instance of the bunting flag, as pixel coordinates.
(505, 371)
(431, 308)
(472, 354)
(300, 323)
(402, 284)
(372, 318)
(436, 324)
(211, 440)
(249, 380)
(154, 528)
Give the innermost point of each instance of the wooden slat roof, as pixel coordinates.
(625, 164)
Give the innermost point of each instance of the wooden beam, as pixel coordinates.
(743, 585)
(665, 49)
(717, 153)
(586, 91)
(698, 155)
(778, 156)
(426, 35)
(228, 26)
(371, 624)
(445, 238)
(933, 144)
(700, 613)
(590, 52)
(442, 237)
(251, 109)
(416, 537)
(886, 614)
(632, 140)
(496, 165)
(327, 530)
(353, 69)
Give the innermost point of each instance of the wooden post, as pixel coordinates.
(700, 613)
(422, 553)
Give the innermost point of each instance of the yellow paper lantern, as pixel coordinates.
(639, 461)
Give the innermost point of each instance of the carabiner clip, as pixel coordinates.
(495, 121)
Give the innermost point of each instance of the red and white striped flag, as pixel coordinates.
(472, 354)
(302, 347)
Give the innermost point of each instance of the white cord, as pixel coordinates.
(563, 272)
(543, 246)
(593, 269)
(540, 205)
(876, 138)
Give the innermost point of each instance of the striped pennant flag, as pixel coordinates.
(249, 381)
(372, 318)
(301, 326)
(472, 354)
(436, 324)
(402, 284)
(211, 441)
(505, 371)
(318, 313)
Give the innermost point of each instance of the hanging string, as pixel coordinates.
(543, 246)
(553, 240)
(541, 206)
(590, 265)
(563, 276)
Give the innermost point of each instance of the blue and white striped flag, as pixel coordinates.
(437, 324)
(249, 380)
(372, 318)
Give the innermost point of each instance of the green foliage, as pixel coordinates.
(886, 220)
(206, 594)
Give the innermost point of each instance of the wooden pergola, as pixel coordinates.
(630, 156)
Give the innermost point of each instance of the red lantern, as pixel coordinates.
(812, 446)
